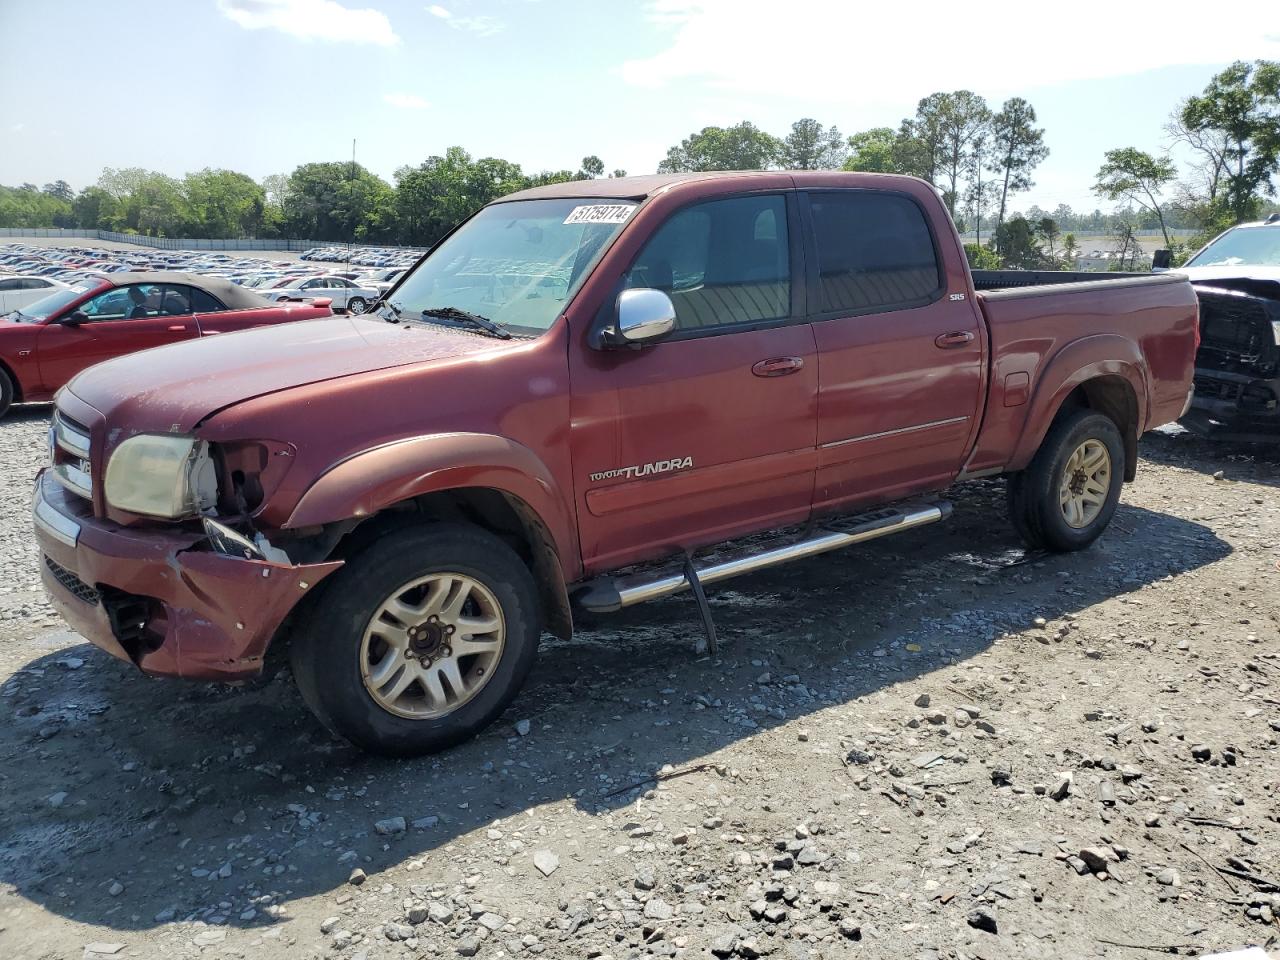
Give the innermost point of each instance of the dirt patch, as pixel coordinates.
(931, 746)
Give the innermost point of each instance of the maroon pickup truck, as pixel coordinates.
(583, 396)
(46, 343)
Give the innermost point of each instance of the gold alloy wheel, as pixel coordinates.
(432, 646)
(1086, 479)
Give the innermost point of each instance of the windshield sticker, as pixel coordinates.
(600, 213)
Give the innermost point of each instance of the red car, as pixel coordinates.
(581, 378)
(46, 343)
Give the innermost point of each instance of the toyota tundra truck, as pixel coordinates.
(587, 395)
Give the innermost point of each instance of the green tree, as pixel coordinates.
(1017, 148)
(443, 190)
(333, 201)
(122, 183)
(1070, 250)
(1018, 245)
(224, 203)
(1048, 232)
(980, 257)
(157, 207)
(811, 146)
(60, 190)
(1134, 175)
(591, 168)
(95, 209)
(1238, 114)
(963, 117)
(25, 206)
(872, 151)
(741, 147)
(617, 174)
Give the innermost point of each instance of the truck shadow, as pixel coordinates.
(1239, 462)
(158, 784)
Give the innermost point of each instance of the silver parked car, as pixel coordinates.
(345, 294)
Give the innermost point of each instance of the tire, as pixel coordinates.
(357, 305)
(6, 393)
(336, 641)
(1042, 515)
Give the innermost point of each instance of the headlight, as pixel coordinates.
(161, 476)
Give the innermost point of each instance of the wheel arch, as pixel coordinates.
(482, 479)
(1115, 386)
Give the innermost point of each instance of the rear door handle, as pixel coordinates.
(777, 366)
(957, 338)
(178, 328)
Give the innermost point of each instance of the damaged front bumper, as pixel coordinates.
(1237, 376)
(162, 598)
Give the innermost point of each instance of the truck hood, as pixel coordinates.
(174, 388)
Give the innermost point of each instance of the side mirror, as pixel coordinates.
(1161, 259)
(74, 319)
(643, 316)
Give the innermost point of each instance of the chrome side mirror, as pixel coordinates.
(644, 315)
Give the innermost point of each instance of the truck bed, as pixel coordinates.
(984, 280)
(1133, 327)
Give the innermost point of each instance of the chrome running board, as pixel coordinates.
(608, 594)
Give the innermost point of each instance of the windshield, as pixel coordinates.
(517, 264)
(1243, 246)
(48, 306)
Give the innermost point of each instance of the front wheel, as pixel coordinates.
(1070, 490)
(419, 641)
(357, 305)
(6, 393)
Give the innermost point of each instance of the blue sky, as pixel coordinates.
(263, 85)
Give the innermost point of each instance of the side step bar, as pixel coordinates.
(608, 594)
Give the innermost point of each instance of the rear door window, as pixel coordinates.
(875, 252)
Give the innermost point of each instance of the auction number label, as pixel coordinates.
(600, 213)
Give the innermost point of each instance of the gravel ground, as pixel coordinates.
(935, 746)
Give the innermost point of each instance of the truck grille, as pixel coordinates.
(73, 583)
(1236, 334)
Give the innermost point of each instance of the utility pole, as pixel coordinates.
(351, 196)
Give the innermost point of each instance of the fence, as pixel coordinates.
(176, 243)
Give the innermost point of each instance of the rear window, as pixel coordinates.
(875, 252)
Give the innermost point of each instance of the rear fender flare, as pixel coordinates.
(1104, 355)
(368, 482)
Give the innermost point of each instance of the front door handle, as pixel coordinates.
(957, 338)
(177, 328)
(777, 366)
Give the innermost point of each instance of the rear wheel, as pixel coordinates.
(357, 305)
(6, 392)
(419, 641)
(1070, 490)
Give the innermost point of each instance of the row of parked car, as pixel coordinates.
(365, 256)
(28, 273)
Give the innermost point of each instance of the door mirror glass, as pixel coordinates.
(644, 315)
(1161, 259)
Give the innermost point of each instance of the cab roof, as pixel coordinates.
(638, 188)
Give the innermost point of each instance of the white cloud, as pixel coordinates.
(405, 101)
(484, 25)
(312, 20)
(838, 50)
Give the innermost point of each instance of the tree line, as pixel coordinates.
(979, 158)
(319, 201)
